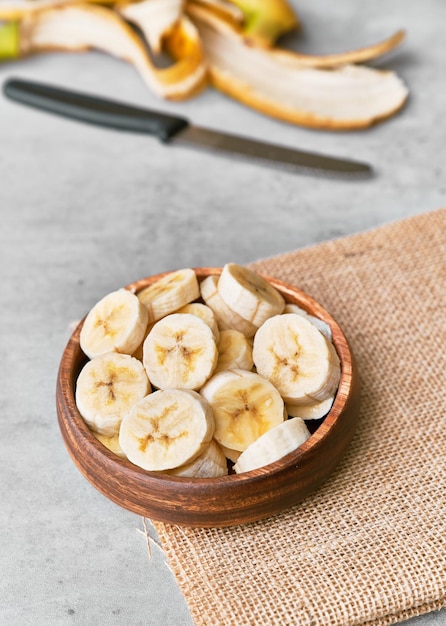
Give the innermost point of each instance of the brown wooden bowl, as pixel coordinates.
(213, 502)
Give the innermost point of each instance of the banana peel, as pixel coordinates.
(18, 9)
(266, 20)
(225, 10)
(184, 45)
(82, 27)
(360, 55)
(156, 18)
(231, 44)
(275, 83)
(9, 40)
(167, 29)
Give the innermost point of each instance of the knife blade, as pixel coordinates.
(172, 129)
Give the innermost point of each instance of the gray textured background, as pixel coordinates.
(87, 210)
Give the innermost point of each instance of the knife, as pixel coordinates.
(171, 129)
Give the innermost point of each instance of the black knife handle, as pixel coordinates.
(94, 110)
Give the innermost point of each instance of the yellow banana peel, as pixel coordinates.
(18, 9)
(225, 10)
(81, 27)
(360, 55)
(9, 40)
(190, 69)
(343, 97)
(230, 43)
(266, 20)
(155, 18)
(167, 29)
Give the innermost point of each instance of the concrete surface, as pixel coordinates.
(86, 210)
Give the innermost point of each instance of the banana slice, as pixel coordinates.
(180, 352)
(310, 411)
(205, 313)
(320, 324)
(234, 351)
(273, 445)
(170, 293)
(106, 389)
(210, 464)
(116, 323)
(245, 406)
(194, 308)
(111, 443)
(226, 317)
(167, 429)
(248, 294)
(289, 351)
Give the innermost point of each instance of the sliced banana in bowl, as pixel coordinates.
(223, 405)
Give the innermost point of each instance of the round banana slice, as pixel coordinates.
(180, 352)
(234, 351)
(205, 313)
(289, 351)
(167, 429)
(209, 464)
(116, 323)
(106, 389)
(248, 294)
(310, 411)
(170, 293)
(227, 318)
(273, 445)
(245, 406)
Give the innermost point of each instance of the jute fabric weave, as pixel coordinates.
(369, 546)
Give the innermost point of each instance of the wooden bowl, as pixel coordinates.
(213, 502)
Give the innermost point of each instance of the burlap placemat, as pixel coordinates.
(369, 546)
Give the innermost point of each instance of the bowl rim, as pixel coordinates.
(316, 439)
